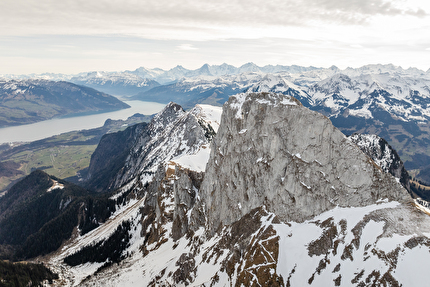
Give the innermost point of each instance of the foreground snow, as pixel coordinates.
(341, 247)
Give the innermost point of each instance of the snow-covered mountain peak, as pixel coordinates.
(166, 116)
(363, 94)
(249, 67)
(277, 83)
(335, 92)
(147, 73)
(209, 118)
(373, 69)
(223, 69)
(271, 83)
(334, 84)
(210, 114)
(108, 76)
(237, 102)
(374, 86)
(171, 134)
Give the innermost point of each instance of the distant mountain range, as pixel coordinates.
(142, 79)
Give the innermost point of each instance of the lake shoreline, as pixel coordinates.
(55, 126)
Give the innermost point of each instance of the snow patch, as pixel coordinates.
(56, 185)
(197, 161)
(237, 105)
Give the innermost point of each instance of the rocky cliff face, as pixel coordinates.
(110, 157)
(271, 151)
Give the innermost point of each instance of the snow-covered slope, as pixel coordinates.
(342, 247)
(279, 83)
(383, 155)
(170, 134)
(403, 96)
(196, 161)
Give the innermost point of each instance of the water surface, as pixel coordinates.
(48, 128)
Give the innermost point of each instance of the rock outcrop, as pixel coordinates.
(271, 151)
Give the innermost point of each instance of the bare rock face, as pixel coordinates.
(271, 151)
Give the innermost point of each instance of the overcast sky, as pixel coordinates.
(113, 35)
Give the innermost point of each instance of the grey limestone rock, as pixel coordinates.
(271, 151)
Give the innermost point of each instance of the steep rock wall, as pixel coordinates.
(272, 151)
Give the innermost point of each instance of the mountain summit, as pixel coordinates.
(285, 199)
(271, 151)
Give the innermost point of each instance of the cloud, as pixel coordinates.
(186, 47)
(158, 16)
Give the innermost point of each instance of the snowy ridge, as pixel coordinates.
(210, 114)
(371, 145)
(13, 86)
(234, 82)
(383, 155)
(382, 69)
(197, 161)
(273, 83)
(236, 102)
(348, 247)
(172, 133)
(404, 93)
